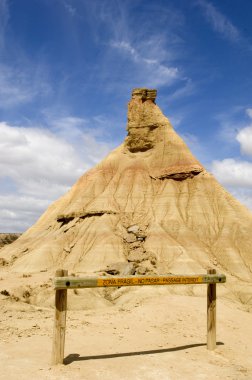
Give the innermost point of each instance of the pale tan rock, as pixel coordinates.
(123, 269)
(185, 217)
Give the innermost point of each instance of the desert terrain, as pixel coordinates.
(149, 208)
(138, 333)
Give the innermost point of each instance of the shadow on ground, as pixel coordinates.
(76, 357)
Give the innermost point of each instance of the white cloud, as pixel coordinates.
(148, 52)
(32, 154)
(231, 172)
(228, 132)
(236, 176)
(151, 68)
(244, 137)
(249, 112)
(84, 134)
(19, 86)
(187, 89)
(236, 173)
(231, 123)
(243, 195)
(42, 166)
(18, 212)
(69, 8)
(219, 22)
(12, 88)
(234, 129)
(126, 46)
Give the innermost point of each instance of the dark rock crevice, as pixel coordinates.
(65, 219)
(181, 176)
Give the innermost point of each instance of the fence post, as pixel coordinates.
(59, 322)
(211, 313)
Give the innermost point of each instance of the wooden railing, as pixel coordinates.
(62, 283)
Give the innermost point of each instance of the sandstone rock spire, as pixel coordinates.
(148, 207)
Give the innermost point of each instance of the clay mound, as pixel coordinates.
(148, 207)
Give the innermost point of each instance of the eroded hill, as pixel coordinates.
(148, 207)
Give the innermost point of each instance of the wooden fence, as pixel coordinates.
(62, 283)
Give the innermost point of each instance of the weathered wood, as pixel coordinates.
(107, 281)
(59, 322)
(62, 282)
(211, 313)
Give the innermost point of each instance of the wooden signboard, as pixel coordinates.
(62, 283)
(109, 281)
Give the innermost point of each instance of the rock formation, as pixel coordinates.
(148, 207)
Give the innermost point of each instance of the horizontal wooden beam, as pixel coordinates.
(110, 281)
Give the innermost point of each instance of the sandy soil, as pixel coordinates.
(148, 334)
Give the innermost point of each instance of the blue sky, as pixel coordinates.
(67, 68)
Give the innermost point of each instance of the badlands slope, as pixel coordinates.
(148, 207)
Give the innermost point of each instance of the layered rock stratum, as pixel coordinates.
(148, 207)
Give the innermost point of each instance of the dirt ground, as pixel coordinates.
(148, 334)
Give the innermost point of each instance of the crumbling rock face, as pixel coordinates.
(148, 207)
(142, 123)
(144, 94)
(140, 141)
(134, 238)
